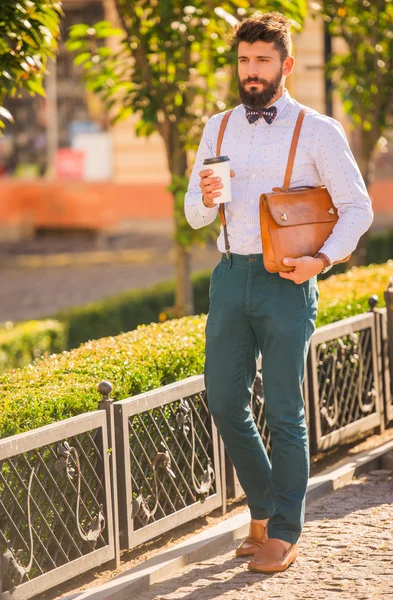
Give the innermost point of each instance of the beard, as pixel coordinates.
(257, 100)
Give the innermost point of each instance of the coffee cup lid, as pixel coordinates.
(215, 159)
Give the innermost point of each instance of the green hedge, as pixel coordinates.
(64, 385)
(21, 344)
(153, 355)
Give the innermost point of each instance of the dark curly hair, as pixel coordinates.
(267, 27)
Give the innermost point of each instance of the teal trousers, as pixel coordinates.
(252, 311)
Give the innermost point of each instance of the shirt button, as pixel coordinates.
(253, 175)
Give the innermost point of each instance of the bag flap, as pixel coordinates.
(300, 207)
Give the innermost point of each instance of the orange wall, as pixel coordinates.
(77, 204)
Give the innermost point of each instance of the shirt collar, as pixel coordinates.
(280, 103)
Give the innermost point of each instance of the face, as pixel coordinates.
(261, 73)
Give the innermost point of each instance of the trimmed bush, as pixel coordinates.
(21, 344)
(347, 294)
(64, 385)
(153, 355)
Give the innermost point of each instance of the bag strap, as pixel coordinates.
(222, 205)
(292, 150)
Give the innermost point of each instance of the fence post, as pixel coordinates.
(389, 314)
(106, 403)
(372, 303)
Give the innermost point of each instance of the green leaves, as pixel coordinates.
(28, 35)
(363, 74)
(35, 86)
(5, 114)
(162, 50)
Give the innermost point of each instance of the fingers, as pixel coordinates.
(205, 173)
(291, 262)
(210, 186)
(286, 275)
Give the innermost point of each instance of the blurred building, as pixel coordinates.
(62, 167)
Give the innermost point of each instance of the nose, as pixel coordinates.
(253, 68)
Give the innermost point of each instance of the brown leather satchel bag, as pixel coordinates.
(295, 222)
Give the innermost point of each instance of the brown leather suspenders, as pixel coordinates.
(222, 206)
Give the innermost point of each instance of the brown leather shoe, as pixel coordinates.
(257, 536)
(273, 557)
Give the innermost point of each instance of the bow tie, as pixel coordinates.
(269, 114)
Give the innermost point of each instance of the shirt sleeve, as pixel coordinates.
(340, 174)
(197, 214)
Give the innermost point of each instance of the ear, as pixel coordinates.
(288, 65)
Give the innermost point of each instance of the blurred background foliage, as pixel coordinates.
(29, 33)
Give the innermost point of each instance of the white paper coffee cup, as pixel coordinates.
(220, 165)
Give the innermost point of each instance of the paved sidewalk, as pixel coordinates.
(34, 293)
(346, 552)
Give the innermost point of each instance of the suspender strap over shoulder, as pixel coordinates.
(222, 205)
(292, 150)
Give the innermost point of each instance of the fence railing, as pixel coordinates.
(167, 459)
(344, 386)
(73, 493)
(387, 373)
(55, 505)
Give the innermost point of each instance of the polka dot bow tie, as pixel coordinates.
(269, 114)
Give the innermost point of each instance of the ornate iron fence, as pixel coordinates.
(55, 505)
(344, 383)
(167, 460)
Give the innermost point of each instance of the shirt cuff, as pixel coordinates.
(205, 211)
(332, 252)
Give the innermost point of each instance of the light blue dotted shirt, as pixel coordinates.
(258, 154)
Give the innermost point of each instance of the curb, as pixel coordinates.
(82, 259)
(206, 544)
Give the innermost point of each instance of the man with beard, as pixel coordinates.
(253, 310)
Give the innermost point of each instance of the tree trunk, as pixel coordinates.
(177, 160)
(184, 294)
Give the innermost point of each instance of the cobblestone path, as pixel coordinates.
(346, 552)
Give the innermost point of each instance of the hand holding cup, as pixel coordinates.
(212, 185)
